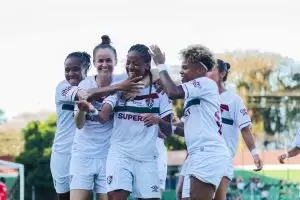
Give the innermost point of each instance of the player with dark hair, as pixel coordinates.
(202, 118)
(76, 66)
(132, 158)
(92, 138)
(235, 119)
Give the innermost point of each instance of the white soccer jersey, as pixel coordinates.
(297, 139)
(160, 144)
(202, 117)
(65, 128)
(130, 136)
(234, 118)
(93, 139)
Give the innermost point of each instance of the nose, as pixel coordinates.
(104, 64)
(181, 72)
(72, 73)
(130, 66)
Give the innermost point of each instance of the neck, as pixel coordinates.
(104, 80)
(221, 87)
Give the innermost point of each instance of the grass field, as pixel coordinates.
(271, 174)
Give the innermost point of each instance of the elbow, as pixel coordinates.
(173, 95)
(168, 131)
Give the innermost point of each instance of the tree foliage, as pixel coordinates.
(36, 156)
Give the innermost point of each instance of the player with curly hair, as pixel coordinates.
(208, 153)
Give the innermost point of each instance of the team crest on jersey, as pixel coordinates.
(150, 102)
(109, 179)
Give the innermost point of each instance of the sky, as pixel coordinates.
(36, 36)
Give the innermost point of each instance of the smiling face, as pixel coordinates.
(104, 61)
(191, 71)
(74, 71)
(135, 65)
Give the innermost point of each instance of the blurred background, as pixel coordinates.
(259, 38)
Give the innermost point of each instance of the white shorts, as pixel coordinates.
(208, 168)
(184, 167)
(59, 166)
(162, 162)
(138, 177)
(229, 173)
(88, 173)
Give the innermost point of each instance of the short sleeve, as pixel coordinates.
(165, 105)
(65, 92)
(111, 100)
(199, 88)
(297, 139)
(241, 114)
(182, 119)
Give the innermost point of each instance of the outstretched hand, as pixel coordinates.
(157, 56)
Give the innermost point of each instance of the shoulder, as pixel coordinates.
(119, 77)
(63, 87)
(87, 82)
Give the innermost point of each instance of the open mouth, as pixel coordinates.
(131, 74)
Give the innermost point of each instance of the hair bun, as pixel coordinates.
(228, 65)
(105, 39)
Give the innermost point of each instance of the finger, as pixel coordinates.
(136, 79)
(150, 52)
(134, 90)
(145, 118)
(137, 85)
(148, 124)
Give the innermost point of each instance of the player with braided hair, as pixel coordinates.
(202, 118)
(76, 66)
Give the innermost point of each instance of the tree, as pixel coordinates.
(36, 157)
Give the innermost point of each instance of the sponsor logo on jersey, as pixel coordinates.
(65, 91)
(197, 84)
(244, 111)
(130, 117)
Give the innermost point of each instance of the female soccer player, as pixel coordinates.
(235, 119)
(202, 120)
(294, 151)
(132, 159)
(76, 66)
(92, 138)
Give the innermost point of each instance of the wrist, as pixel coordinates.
(93, 113)
(254, 152)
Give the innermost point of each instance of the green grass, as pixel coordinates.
(271, 176)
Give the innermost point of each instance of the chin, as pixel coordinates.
(74, 82)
